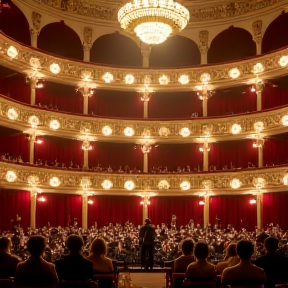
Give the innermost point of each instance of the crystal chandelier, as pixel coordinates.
(153, 20)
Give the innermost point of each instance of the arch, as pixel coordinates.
(231, 44)
(60, 39)
(276, 34)
(174, 52)
(115, 49)
(14, 23)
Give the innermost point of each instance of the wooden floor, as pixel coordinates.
(142, 280)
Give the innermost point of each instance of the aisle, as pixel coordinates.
(145, 280)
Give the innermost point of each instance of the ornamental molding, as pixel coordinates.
(200, 11)
(77, 127)
(71, 181)
(74, 72)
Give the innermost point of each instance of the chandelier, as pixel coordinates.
(153, 20)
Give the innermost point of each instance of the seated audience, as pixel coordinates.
(201, 270)
(272, 263)
(231, 259)
(8, 262)
(187, 257)
(35, 271)
(74, 267)
(244, 273)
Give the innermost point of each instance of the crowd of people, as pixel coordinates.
(192, 249)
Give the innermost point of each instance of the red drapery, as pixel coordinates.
(16, 145)
(275, 151)
(114, 209)
(232, 101)
(116, 155)
(15, 86)
(171, 105)
(273, 97)
(64, 150)
(12, 203)
(233, 209)
(238, 152)
(175, 155)
(185, 208)
(116, 104)
(275, 209)
(58, 209)
(60, 96)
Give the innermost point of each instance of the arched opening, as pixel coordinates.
(276, 35)
(116, 49)
(59, 39)
(231, 44)
(176, 51)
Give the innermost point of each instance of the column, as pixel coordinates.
(145, 51)
(145, 203)
(145, 162)
(203, 45)
(86, 161)
(204, 53)
(85, 104)
(258, 40)
(84, 211)
(86, 50)
(34, 35)
(32, 83)
(205, 156)
(206, 212)
(259, 210)
(145, 109)
(33, 198)
(204, 106)
(32, 139)
(259, 88)
(260, 156)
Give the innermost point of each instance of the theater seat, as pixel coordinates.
(77, 284)
(106, 279)
(6, 283)
(198, 284)
(178, 279)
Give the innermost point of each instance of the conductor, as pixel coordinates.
(147, 237)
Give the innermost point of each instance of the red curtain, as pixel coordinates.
(275, 151)
(274, 97)
(16, 145)
(116, 155)
(62, 149)
(12, 203)
(15, 86)
(58, 209)
(233, 209)
(174, 105)
(275, 209)
(60, 96)
(114, 209)
(238, 152)
(185, 208)
(122, 104)
(175, 155)
(232, 101)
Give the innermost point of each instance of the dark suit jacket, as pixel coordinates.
(74, 267)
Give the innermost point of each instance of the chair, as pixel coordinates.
(198, 284)
(77, 284)
(6, 283)
(178, 279)
(106, 279)
(168, 268)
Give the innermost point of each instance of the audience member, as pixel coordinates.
(231, 259)
(244, 273)
(74, 267)
(272, 263)
(35, 271)
(187, 257)
(8, 262)
(201, 269)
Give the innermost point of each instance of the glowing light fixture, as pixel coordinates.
(259, 126)
(163, 185)
(258, 68)
(129, 185)
(184, 79)
(12, 114)
(107, 184)
(41, 199)
(235, 183)
(283, 62)
(253, 201)
(201, 202)
(11, 176)
(54, 124)
(284, 120)
(285, 180)
(236, 128)
(234, 73)
(55, 68)
(90, 202)
(34, 121)
(185, 185)
(54, 182)
(129, 79)
(153, 20)
(12, 52)
(108, 77)
(107, 130)
(129, 132)
(164, 80)
(185, 132)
